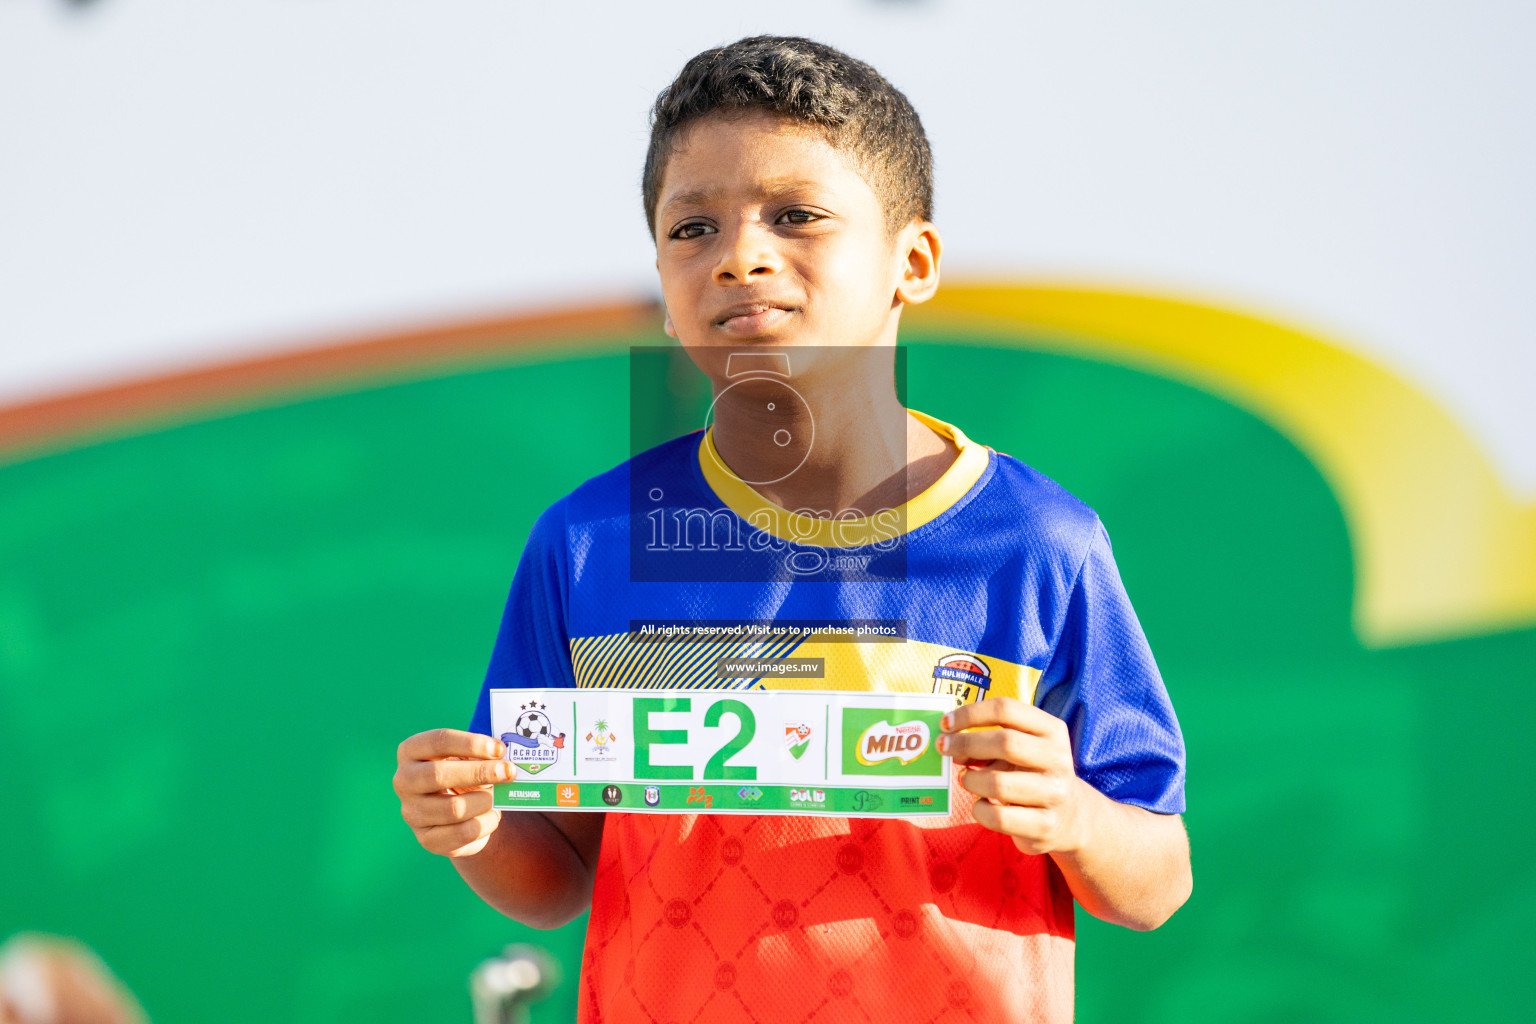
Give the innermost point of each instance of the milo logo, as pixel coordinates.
(885, 741)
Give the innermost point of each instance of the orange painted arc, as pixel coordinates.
(1441, 548)
(56, 423)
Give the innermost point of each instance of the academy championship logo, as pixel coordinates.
(885, 741)
(533, 745)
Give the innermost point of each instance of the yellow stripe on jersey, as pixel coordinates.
(907, 667)
(911, 666)
(621, 659)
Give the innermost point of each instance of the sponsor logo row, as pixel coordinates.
(703, 798)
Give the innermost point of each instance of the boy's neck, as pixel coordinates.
(868, 454)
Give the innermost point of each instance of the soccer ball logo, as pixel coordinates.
(533, 744)
(535, 726)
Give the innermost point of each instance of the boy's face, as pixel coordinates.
(766, 235)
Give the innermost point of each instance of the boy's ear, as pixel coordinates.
(922, 247)
(666, 324)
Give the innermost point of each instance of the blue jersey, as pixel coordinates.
(1000, 582)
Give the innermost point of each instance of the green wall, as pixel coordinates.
(212, 637)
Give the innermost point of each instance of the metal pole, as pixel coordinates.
(505, 986)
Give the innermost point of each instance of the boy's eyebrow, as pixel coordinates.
(767, 190)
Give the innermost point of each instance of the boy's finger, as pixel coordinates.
(1027, 823)
(437, 809)
(446, 839)
(438, 776)
(439, 743)
(1003, 711)
(1020, 789)
(1025, 750)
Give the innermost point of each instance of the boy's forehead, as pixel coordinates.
(759, 153)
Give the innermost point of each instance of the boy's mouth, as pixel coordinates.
(751, 318)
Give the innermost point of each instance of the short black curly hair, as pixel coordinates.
(848, 101)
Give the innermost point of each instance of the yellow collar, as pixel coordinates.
(738, 496)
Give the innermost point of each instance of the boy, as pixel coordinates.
(789, 190)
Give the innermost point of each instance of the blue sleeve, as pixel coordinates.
(1103, 682)
(532, 646)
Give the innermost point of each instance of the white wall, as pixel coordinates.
(184, 181)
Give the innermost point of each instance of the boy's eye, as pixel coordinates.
(798, 217)
(693, 229)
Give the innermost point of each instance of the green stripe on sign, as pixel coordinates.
(750, 799)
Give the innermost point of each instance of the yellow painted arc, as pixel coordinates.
(1441, 549)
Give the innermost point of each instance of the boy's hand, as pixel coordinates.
(1124, 864)
(444, 782)
(1021, 772)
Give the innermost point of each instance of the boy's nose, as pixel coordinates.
(746, 256)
